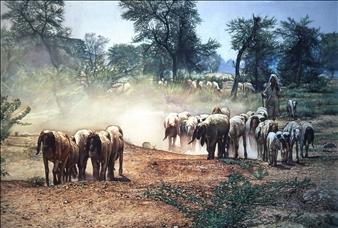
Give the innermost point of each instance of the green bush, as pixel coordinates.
(232, 203)
(36, 181)
(8, 119)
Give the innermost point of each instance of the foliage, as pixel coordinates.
(329, 52)
(260, 56)
(242, 163)
(242, 33)
(10, 115)
(169, 26)
(299, 50)
(260, 173)
(232, 203)
(3, 170)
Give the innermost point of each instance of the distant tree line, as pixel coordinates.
(165, 44)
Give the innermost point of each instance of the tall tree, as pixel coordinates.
(41, 20)
(299, 50)
(261, 55)
(168, 25)
(329, 52)
(242, 32)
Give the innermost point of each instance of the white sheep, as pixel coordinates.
(261, 133)
(237, 130)
(295, 137)
(171, 126)
(273, 145)
(291, 107)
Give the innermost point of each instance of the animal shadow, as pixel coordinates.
(122, 179)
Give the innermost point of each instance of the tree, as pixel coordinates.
(10, 115)
(242, 34)
(41, 20)
(299, 50)
(170, 26)
(260, 56)
(93, 57)
(329, 52)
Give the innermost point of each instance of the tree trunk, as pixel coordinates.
(236, 80)
(256, 70)
(299, 70)
(174, 67)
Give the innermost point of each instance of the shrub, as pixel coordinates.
(8, 119)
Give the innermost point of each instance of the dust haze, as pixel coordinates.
(140, 111)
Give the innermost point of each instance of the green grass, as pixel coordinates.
(231, 204)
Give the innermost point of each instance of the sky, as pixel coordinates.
(104, 18)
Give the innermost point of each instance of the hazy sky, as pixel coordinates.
(104, 18)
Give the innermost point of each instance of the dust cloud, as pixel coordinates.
(140, 111)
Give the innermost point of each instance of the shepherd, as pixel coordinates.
(271, 95)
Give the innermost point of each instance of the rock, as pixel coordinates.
(329, 145)
(148, 145)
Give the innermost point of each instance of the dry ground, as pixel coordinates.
(122, 203)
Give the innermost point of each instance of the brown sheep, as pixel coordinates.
(56, 148)
(99, 148)
(171, 126)
(307, 137)
(214, 130)
(116, 138)
(72, 160)
(224, 110)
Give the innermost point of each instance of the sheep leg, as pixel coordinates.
(95, 168)
(244, 145)
(121, 164)
(297, 152)
(111, 169)
(103, 171)
(290, 154)
(56, 177)
(265, 153)
(45, 162)
(307, 149)
(174, 142)
(211, 150)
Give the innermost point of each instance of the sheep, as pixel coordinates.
(209, 85)
(202, 117)
(307, 137)
(116, 138)
(273, 145)
(72, 160)
(214, 130)
(248, 88)
(117, 142)
(201, 84)
(237, 130)
(56, 148)
(99, 148)
(80, 138)
(171, 126)
(224, 110)
(261, 133)
(295, 138)
(291, 108)
(187, 128)
(262, 111)
(245, 116)
(215, 86)
(250, 113)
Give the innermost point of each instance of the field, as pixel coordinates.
(166, 189)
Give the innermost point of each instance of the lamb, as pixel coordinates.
(187, 129)
(291, 107)
(171, 126)
(202, 117)
(209, 85)
(262, 111)
(294, 130)
(80, 138)
(237, 130)
(214, 130)
(307, 137)
(56, 148)
(261, 133)
(273, 145)
(215, 86)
